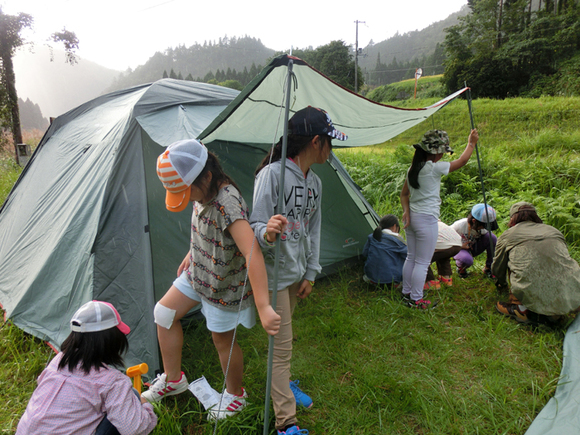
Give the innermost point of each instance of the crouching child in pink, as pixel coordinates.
(80, 392)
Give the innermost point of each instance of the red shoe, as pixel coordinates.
(446, 281)
(422, 304)
(487, 273)
(433, 284)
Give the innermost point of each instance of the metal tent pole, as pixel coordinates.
(488, 224)
(277, 249)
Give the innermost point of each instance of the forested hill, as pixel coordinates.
(244, 56)
(410, 45)
(195, 62)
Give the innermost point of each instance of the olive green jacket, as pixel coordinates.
(535, 259)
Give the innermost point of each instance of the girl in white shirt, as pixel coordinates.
(421, 202)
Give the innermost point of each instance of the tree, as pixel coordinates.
(335, 61)
(233, 84)
(10, 40)
(31, 116)
(220, 76)
(500, 49)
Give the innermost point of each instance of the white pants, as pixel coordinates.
(421, 239)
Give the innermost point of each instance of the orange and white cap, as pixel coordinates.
(177, 168)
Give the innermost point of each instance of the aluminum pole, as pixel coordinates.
(488, 224)
(278, 242)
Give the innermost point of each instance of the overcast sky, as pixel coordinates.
(119, 34)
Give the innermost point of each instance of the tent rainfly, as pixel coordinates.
(87, 220)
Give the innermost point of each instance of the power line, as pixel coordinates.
(156, 6)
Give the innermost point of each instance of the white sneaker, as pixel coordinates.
(159, 388)
(229, 405)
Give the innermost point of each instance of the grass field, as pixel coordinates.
(371, 364)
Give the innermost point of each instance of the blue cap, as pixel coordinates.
(478, 212)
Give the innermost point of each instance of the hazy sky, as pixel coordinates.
(125, 33)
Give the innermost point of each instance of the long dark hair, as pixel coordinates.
(296, 144)
(525, 214)
(419, 159)
(93, 350)
(387, 221)
(218, 176)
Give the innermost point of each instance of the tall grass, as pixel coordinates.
(22, 358)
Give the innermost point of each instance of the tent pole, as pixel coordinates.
(280, 209)
(488, 224)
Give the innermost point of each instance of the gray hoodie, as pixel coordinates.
(300, 248)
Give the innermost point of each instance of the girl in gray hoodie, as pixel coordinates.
(310, 132)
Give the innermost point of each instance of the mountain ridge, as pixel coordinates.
(60, 87)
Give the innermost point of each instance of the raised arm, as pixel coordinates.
(466, 155)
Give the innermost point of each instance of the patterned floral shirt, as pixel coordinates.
(218, 268)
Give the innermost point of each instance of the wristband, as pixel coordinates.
(311, 283)
(266, 240)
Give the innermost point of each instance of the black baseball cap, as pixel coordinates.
(312, 121)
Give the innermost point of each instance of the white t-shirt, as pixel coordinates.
(462, 228)
(447, 237)
(426, 198)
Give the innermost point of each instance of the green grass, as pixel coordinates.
(22, 358)
(395, 93)
(370, 364)
(9, 171)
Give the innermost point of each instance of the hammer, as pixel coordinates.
(135, 373)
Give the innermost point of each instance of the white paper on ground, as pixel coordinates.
(204, 392)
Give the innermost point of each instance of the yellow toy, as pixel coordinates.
(135, 373)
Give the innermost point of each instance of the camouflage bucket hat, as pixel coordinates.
(435, 142)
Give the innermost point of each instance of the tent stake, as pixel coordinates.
(488, 224)
(277, 249)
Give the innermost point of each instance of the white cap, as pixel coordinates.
(97, 316)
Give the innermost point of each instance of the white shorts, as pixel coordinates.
(217, 320)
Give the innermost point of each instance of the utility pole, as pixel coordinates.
(356, 58)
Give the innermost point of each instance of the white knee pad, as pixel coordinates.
(163, 316)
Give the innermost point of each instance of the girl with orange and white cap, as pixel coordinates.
(223, 252)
